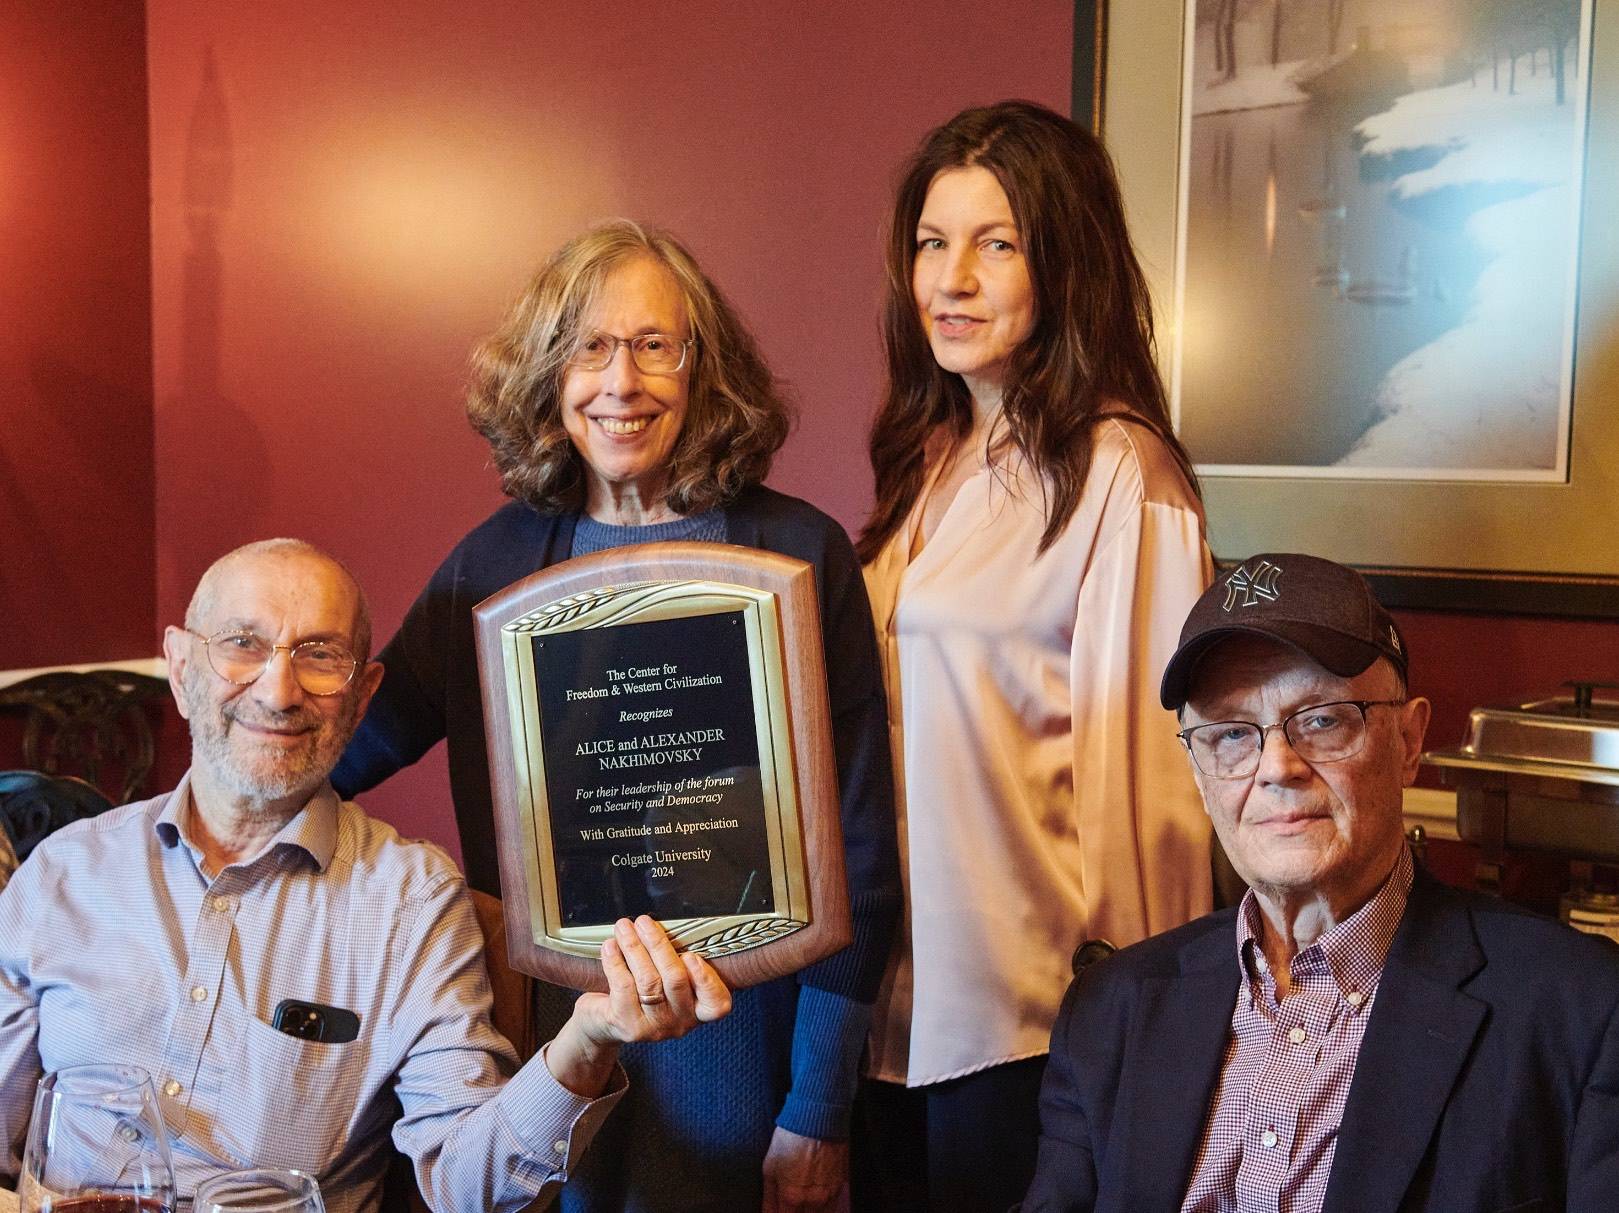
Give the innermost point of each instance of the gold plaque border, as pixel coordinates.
(645, 602)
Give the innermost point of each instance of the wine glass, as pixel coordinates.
(96, 1144)
(263, 1190)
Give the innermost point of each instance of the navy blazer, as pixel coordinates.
(1488, 1078)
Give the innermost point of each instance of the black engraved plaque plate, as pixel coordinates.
(652, 770)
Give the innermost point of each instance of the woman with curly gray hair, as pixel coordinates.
(625, 402)
(680, 426)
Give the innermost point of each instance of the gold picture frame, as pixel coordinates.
(1462, 545)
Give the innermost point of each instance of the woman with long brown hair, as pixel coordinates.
(1036, 543)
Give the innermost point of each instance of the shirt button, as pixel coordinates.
(172, 1088)
(198, 993)
(560, 1146)
(1298, 1036)
(1354, 998)
(221, 904)
(1267, 1138)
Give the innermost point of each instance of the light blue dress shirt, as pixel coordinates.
(115, 947)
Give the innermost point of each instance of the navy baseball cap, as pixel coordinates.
(1322, 609)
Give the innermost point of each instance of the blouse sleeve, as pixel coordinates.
(1143, 833)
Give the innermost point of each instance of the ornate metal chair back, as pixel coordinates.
(93, 725)
(33, 804)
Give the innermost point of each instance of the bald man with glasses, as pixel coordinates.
(1354, 1037)
(306, 988)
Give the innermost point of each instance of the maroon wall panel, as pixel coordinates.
(76, 482)
(345, 197)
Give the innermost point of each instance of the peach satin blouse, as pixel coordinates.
(1043, 798)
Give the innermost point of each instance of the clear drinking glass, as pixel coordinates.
(97, 1144)
(264, 1190)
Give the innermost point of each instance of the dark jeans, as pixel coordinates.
(963, 1146)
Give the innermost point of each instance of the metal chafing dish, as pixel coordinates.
(1541, 775)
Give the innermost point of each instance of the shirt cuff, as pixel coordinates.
(829, 1035)
(554, 1124)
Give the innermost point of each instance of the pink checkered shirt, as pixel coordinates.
(1273, 1125)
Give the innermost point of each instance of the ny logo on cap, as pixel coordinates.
(1251, 587)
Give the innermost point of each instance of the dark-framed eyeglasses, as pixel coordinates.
(1322, 732)
(321, 667)
(652, 353)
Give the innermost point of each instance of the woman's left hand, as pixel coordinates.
(804, 1174)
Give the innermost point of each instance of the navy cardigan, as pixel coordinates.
(430, 691)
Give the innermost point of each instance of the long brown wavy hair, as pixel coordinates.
(737, 416)
(1090, 354)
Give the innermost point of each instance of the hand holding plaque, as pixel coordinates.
(659, 743)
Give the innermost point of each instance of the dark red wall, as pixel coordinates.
(76, 476)
(345, 197)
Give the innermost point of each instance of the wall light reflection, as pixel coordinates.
(418, 213)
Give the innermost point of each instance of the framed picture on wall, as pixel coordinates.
(1386, 310)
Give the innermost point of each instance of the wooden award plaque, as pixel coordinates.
(660, 743)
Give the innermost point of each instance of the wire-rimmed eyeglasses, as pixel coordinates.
(237, 655)
(652, 353)
(1322, 732)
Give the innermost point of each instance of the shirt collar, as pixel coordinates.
(1354, 949)
(313, 829)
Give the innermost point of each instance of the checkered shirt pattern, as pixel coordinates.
(1272, 1129)
(116, 947)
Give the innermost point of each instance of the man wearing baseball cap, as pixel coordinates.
(1354, 1037)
